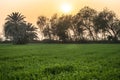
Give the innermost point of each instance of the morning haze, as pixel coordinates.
(34, 8)
(60, 40)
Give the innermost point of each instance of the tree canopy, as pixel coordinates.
(86, 25)
(18, 30)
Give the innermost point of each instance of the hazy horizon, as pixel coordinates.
(31, 9)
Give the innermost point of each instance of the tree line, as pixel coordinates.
(86, 25)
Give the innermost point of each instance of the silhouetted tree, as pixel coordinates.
(44, 26)
(78, 28)
(53, 24)
(17, 30)
(30, 31)
(86, 16)
(116, 29)
(107, 22)
(62, 27)
(87, 24)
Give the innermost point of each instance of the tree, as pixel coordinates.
(116, 29)
(30, 31)
(53, 24)
(43, 24)
(62, 26)
(86, 16)
(78, 28)
(17, 29)
(107, 22)
(54, 27)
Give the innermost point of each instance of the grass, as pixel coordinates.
(60, 62)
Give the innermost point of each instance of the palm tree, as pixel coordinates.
(16, 28)
(13, 21)
(30, 32)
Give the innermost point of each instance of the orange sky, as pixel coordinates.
(34, 8)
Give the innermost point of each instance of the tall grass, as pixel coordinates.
(60, 62)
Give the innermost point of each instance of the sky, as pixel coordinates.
(34, 8)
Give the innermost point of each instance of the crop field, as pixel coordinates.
(60, 62)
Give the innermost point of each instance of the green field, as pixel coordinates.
(60, 62)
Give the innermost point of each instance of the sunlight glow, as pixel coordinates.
(66, 8)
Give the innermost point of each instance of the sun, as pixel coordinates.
(66, 8)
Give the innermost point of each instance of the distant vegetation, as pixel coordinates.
(86, 25)
(60, 62)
